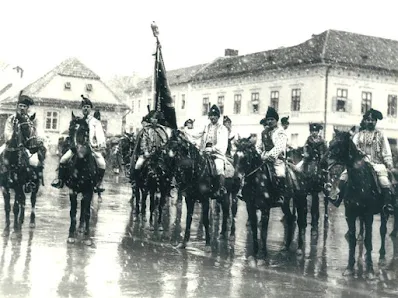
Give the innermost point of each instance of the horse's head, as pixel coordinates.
(79, 136)
(25, 132)
(245, 155)
(341, 150)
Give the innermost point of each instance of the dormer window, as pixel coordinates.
(67, 86)
(89, 87)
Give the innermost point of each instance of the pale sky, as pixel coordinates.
(114, 37)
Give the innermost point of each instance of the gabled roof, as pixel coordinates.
(332, 46)
(174, 77)
(71, 67)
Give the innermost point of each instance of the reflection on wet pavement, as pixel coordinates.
(128, 260)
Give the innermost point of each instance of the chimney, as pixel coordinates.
(231, 52)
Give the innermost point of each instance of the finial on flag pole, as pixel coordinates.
(155, 29)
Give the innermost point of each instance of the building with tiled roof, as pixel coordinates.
(58, 93)
(331, 78)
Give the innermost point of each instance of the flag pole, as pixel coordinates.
(156, 101)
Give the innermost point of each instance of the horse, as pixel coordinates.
(80, 177)
(15, 171)
(149, 179)
(193, 174)
(362, 198)
(259, 192)
(314, 184)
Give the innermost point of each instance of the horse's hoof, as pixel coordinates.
(136, 218)
(71, 240)
(314, 232)
(160, 228)
(360, 238)
(181, 245)
(348, 271)
(382, 261)
(370, 275)
(394, 233)
(144, 219)
(151, 228)
(231, 238)
(222, 236)
(207, 248)
(6, 232)
(88, 242)
(81, 230)
(252, 262)
(32, 225)
(299, 252)
(261, 262)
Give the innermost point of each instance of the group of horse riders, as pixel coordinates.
(216, 139)
(96, 137)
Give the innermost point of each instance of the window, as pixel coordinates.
(139, 104)
(67, 86)
(182, 101)
(237, 103)
(366, 103)
(173, 98)
(341, 100)
(150, 103)
(392, 106)
(89, 87)
(220, 103)
(132, 106)
(255, 102)
(275, 99)
(294, 140)
(296, 96)
(205, 106)
(52, 120)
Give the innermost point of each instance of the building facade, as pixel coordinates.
(332, 78)
(58, 93)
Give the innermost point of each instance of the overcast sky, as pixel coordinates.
(114, 37)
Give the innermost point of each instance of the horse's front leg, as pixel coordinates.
(87, 198)
(81, 218)
(72, 213)
(190, 207)
(206, 222)
(33, 197)
(152, 207)
(162, 203)
(352, 241)
(368, 219)
(22, 203)
(234, 210)
(314, 213)
(144, 195)
(135, 194)
(252, 214)
(264, 232)
(289, 223)
(383, 232)
(7, 208)
(16, 208)
(301, 205)
(225, 215)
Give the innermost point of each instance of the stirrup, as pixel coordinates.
(57, 183)
(98, 189)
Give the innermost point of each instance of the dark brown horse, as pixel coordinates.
(192, 173)
(362, 198)
(16, 172)
(259, 192)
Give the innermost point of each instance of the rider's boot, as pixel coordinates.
(239, 194)
(388, 208)
(100, 176)
(340, 194)
(281, 185)
(59, 183)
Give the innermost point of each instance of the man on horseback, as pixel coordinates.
(374, 144)
(97, 143)
(215, 142)
(273, 150)
(151, 137)
(23, 104)
(315, 146)
(232, 135)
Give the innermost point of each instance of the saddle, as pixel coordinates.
(291, 177)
